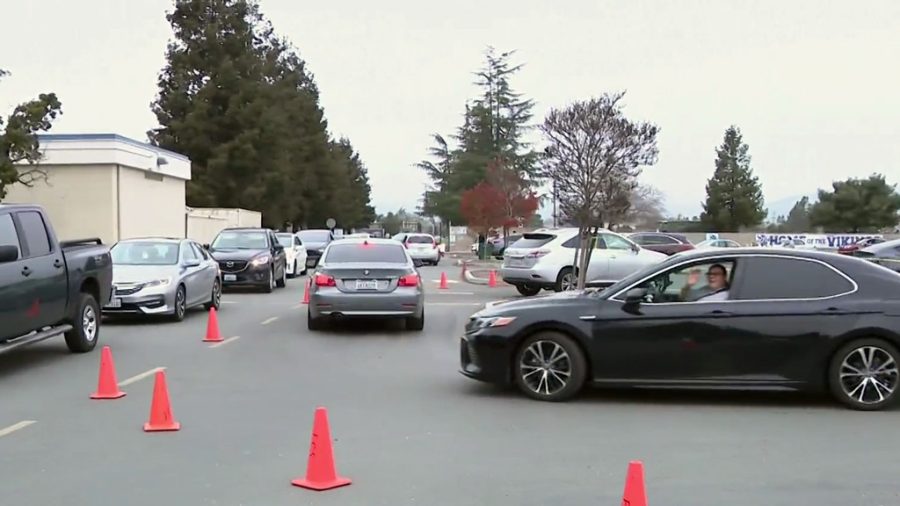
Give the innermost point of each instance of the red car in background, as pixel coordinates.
(662, 242)
(858, 245)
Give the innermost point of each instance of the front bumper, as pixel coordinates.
(250, 276)
(486, 358)
(402, 302)
(149, 301)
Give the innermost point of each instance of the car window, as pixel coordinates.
(420, 239)
(241, 240)
(35, 233)
(8, 235)
(790, 278)
(696, 282)
(285, 240)
(653, 239)
(362, 252)
(200, 252)
(529, 241)
(612, 241)
(144, 253)
(188, 253)
(570, 244)
(314, 235)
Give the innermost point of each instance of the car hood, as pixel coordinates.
(236, 254)
(128, 274)
(527, 304)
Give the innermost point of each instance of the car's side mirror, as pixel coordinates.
(8, 254)
(635, 295)
(279, 247)
(206, 247)
(192, 263)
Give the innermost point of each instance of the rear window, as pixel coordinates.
(314, 235)
(286, 240)
(419, 239)
(769, 278)
(353, 253)
(533, 241)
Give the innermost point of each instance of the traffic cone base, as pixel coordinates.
(321, 473)
(107, 385)
(212, 328)
(161, 418)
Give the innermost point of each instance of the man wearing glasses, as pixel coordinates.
(716, 288)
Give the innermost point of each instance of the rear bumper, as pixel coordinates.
(399, 303)
(432, 255)
(532, 277)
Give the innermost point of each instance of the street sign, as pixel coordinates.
(330, 223)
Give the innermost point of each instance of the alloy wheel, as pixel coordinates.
(545, 367)
(568, 281)
(217, 293)
(869, 375)
(89, 323)
(180, 303)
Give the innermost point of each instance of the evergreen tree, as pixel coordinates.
(857, 205)
(733, 195)
(798, 218)
(239, 101)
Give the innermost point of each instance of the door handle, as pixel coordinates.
(719, 312)
(26, 271)
(57, 263)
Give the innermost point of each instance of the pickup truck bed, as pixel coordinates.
(47, 287)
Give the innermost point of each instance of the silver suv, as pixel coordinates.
(545, 259)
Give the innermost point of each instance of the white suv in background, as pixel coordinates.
(545, 259)
(422, 247)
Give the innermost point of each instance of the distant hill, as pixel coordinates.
(782, 207)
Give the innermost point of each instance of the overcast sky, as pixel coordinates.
(814, 85)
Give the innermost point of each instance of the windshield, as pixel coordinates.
(144, 253)
(286, 240)
(361, 253)
(314, 235)
(241, 240)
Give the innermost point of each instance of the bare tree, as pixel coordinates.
(644, 210)
(594, 156)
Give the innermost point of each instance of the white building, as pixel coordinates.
(108, 186)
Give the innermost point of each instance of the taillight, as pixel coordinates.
(409, 280)
(325, 280)
(538, 253)
(434, 244)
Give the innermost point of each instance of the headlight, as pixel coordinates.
(260, 261)
(158, 283)
(495, 321)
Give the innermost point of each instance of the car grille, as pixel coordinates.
(232, 265)
(128, 289)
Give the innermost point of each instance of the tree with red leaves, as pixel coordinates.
(517, 201)
(481, 207)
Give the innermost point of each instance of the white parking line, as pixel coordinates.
(455, 304)
(139, 377)
(16, 426)
(229, 302)
(269, 320)
(451, 292)
(230, 339)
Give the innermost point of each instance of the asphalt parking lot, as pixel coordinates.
(408, 428)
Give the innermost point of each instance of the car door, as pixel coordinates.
(44, 270)
(624, 257)
(209, 271)
(300, 254)
(191, 273)
(661, 339)
(14, 298)
(598, 266)
(279, 257)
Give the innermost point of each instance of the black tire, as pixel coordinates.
(877, 352)
(528, 290)
(85, 325)
(282, 281)
(562, 279)
(416, 322)
(180, 309)
(215, 300)
(575, 364)
(270, 283)
(314, 323)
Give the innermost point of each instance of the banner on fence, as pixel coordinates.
(825, 241)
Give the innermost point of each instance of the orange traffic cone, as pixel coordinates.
(160, 410)
(212, 328)
(492, 279)
(321, 473)
(635, 494)
(443, 281)
(107, 386)
(306, 291)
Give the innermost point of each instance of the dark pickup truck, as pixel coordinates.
(48, 287)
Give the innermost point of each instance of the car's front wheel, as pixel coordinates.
(270, 283)
(215, 299)
(864, 374)
(180, 309)
(549, 366)
(282, 280)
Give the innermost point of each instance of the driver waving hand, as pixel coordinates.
(716, 288)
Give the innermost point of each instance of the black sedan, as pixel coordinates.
(739, 318)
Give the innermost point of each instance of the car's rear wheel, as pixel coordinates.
(864, 374)
(85, 326)
(216, 297)
(313, 323)
(282, 281)
(528, 290)
(566, 280)
(416, 322)
(549, 366)
(180, 309)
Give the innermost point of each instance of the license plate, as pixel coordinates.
(230, 277)
(366, 285)
(115, 303)
(515, 262)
